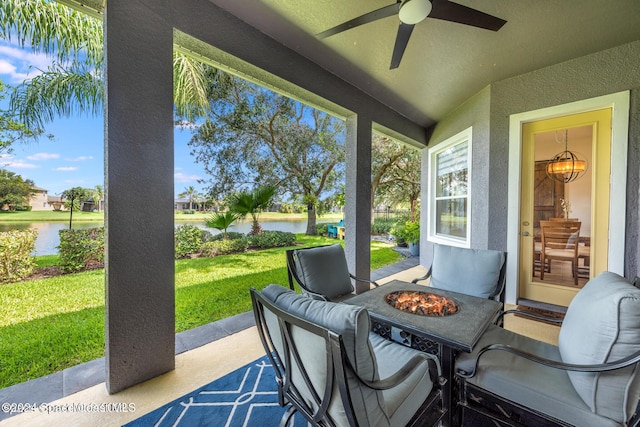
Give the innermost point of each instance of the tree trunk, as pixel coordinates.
(256, 228)
(311, 220)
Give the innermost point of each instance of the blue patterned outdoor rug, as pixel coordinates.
(246, 397)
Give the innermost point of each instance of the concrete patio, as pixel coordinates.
(203, 354)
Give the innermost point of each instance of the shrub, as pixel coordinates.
(80, 249)
(321, 229)
(16, 262)
(230, 235)
(224, 247)
(398, 232)
(272, 239)
(382, 226)
(286, 208)
(188, 240)
(207, 236)
(412, 232)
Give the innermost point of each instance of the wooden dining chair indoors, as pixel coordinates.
(560, 240)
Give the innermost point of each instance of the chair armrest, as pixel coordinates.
(425, 277)
(529, 315)
(599, 367)
(435, 373)
(360, 279)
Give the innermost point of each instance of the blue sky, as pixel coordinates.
(75, 155)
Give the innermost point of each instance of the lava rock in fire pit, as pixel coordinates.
(422, 303)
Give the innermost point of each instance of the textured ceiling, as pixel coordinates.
(445, 63)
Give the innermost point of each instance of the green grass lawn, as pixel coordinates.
(51, 324)
(36, 216)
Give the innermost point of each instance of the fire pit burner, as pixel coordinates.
(422, 303)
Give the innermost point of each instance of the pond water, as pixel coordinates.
(49, 238)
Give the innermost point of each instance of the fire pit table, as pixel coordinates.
(457, 327)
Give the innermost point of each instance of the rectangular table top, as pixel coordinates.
(460, 330)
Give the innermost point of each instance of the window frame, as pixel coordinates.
(432, 235)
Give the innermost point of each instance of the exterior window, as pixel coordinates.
(449, 191)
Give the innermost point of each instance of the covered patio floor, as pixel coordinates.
(197, 367)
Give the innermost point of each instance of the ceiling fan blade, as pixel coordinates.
(404, 33)
(449, 11)
(383, 12)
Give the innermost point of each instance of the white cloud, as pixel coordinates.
(11, 70)
(18, 164)
(80, 158)
(66, 169)
(43, 156)
(21, 64)
(181, 177)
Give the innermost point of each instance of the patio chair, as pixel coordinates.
(321, 272)
(334, 371)
(332, 229)
(591, 378)
(476, 272)
(560, 241)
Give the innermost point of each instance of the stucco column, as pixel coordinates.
(140, 307)
(358, 199)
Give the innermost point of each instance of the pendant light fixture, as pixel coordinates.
(566, 166)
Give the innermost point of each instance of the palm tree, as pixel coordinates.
(74, 196)
(190, 193)
(221, 221)
(74, 82)
(252, 203)
(97, 194)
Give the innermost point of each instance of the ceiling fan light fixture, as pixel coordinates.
(414, 11)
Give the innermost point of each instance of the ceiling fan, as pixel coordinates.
(411, 12)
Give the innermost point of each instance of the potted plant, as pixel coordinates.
(397, 231)
(412, 236)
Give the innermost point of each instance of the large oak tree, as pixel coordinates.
(395, 170)
(254, 137)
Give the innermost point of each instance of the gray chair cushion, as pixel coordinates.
(372, 356)
(401, 402)
(353, 324)
(541, 388)
(324, 270)
(468, 271)
(602, 324)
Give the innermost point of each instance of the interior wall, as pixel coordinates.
(599, 74)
